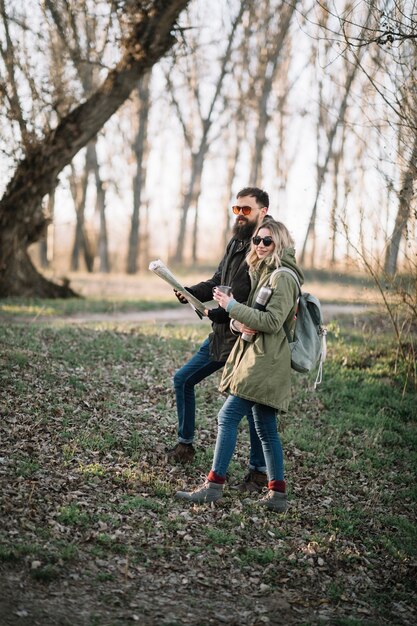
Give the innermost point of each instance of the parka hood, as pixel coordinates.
(288, 260)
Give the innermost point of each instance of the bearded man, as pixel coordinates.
(250, 209)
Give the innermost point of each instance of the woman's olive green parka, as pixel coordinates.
(261, 371)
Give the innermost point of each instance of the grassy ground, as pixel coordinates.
(91, 534)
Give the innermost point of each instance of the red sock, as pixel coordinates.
(277, 485)
(215, 478)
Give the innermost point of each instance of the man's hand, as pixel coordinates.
(218, 315)
(180, 297)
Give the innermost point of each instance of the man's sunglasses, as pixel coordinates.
(267, 241)
(246, 210)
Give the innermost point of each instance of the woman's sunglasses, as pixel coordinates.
(246, 210)
(267, 241)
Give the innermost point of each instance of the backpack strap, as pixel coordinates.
(287, 270)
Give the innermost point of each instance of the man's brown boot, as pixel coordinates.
(254, 481)
(181, 453)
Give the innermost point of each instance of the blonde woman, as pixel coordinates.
(257, 374)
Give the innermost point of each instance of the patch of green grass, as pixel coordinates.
(97, 441)
(262, 556)
(27, 467)
(352, 621)
(104, 576)
(27, 549)
(72, 515)
(335, 589)
(221, 538)
(36, 307)
(50, 552)
(68, 552)
(92, 469)
(131, 503)
(8, 553)
(350, 523)
(104, 540)
(399, 536)
(18, 359)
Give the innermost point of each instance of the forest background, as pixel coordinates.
(126, 129)
(313, 101)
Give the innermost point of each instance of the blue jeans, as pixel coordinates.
(265, 418)
(199, 367)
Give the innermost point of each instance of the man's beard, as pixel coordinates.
(243, 230)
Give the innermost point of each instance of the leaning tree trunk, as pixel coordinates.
(22, 220)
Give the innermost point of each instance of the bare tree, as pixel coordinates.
(273, 35)
(80, 36)
(198, 139)
(140, 150)
(148, 28)
(339, 121)
(384, 47)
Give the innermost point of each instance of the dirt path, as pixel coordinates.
(177, 315)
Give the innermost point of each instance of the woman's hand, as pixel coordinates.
(241, 328)
(220, 297)
(247, 330)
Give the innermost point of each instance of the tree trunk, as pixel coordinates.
(21, 277)
(145, 236)
(140, 150)
(103, 244)
(79, 193)
(403, 213)
(21, 216)
(45, 253)
(333, 219)
(193, 191)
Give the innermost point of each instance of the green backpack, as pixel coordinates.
(308, 344)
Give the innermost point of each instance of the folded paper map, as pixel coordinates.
(161, 270)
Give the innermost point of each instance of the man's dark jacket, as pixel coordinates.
(232, 271)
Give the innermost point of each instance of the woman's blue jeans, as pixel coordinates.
(199, 367)
(265, 418)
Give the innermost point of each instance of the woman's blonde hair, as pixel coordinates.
(281, 238)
